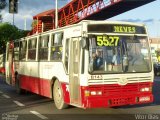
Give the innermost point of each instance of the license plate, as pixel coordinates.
(143, 99)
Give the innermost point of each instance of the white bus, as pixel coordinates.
(90, 64)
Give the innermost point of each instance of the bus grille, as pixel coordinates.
(120, 90)
(121, 101)
(115, 80)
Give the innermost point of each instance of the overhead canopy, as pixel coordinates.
(78, 10)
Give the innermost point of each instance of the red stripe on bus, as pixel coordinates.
(2, 70)
(36, 85)
(65, 88)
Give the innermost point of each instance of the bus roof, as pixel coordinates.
(87, 22)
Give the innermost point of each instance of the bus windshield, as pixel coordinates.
(119, 54)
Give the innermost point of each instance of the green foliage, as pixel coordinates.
(9, 32)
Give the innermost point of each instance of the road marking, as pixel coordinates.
(1, 92)
(6, 96)
(18, 103)
(39, 115)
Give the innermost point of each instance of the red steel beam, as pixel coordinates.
(78, 10)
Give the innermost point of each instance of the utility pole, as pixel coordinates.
(13, 18)
(25, 23)
(56, 14)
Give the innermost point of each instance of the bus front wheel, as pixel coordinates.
(58, 96)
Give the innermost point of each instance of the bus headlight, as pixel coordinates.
(96, 92)
(146, 89)
(93, 93)
(99, 93)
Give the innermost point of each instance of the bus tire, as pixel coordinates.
(58, 96)
(17, 85)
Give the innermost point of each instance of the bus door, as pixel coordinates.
(9, 64)
(74, 70)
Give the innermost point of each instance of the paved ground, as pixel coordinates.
(35, 107)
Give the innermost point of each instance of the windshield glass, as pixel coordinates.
(117, 54)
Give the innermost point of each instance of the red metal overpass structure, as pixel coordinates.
(78, 10)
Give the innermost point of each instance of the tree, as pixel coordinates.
(9, 32)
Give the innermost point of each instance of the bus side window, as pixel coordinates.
(58, 39)
(43, 53)
(32, 43)
(56, 46)
(23, 49)
(16, 51)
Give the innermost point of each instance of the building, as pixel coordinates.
(155, 44)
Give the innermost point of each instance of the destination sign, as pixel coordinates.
(124, 29)
(114, 28)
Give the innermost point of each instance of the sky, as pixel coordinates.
(148, 14)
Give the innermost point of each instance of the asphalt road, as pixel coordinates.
(34, 107)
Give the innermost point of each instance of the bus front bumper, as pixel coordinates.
(121, 100)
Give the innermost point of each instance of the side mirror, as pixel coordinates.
(83, 43)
